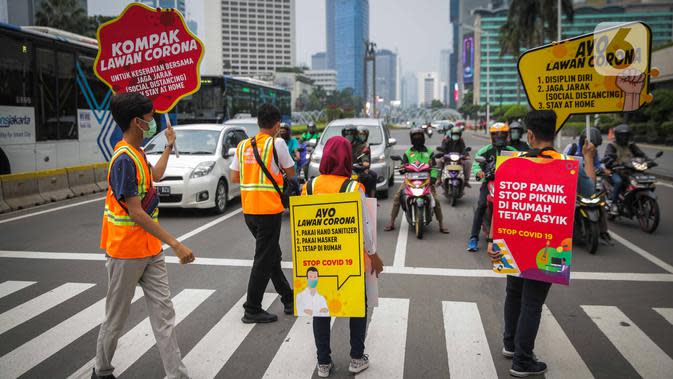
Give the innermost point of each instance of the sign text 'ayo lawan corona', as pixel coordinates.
(328, 256)
(152, 52)
(533, 215)
(606, 71)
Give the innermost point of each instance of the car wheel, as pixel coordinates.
(221, 197)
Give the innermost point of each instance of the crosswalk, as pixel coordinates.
(467, 348)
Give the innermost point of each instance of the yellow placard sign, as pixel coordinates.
(328, 256)
(605, 71)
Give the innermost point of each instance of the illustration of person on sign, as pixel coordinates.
(309, 301)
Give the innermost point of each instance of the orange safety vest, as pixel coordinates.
(121, 237)
(548, 153)
(258, 195)
(330, 184)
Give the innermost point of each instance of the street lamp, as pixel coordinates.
(370, 55)
(488, 71)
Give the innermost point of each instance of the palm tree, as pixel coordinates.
(63, 14)
(530, 23)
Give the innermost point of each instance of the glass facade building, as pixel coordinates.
(349, 20)
(503, 71)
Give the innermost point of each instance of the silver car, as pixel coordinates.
(380, 144)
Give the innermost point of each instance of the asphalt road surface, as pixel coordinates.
(440, 313)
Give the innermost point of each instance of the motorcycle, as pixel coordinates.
(587, 219)
(638, 198)
(428, 130)
(452, 178)
(488, 168)
(416, 198)
(305, 150)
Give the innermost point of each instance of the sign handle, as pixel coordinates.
(588, 131)
(175, 144)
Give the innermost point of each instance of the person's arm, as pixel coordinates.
(234, 169)
(637, 152)
(434, 171)
(589, 153)
(285, 160)
(477, 167)
(159, 169)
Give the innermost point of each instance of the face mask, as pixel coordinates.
(499, 140)
(455, 137)
(361, 139)
(312, 283)
(515, 135)
(152, 128)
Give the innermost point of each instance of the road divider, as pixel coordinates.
(21, 190)
(53, 185)
(4, 207)
(81, 179)
(100, 175)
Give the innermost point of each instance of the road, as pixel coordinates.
(440, 313)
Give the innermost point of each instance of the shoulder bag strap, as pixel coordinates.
(265, 170)
(344, 185)
(309, 187)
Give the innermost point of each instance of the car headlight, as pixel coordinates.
(381, 159)
(202, 169)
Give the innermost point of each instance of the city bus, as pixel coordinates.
(54, 112)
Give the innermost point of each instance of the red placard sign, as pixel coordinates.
(149, 51)
(533, 214)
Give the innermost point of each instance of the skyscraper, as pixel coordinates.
(319, 61)
(428, 88)
(177, 4)
(409, 90)
(349, 20)
(386, 75)
(257, 36)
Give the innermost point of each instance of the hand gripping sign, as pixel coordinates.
(328, 255)
(606, 71)
(149, 51)
(534, 208)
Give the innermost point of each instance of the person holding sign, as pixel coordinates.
(131, 236)
(525, 297)
(261, 199)
(335, 173)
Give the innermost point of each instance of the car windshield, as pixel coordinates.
(189, 141)
(375, 133)
(250, 128)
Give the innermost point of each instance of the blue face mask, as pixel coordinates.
(455, 137)
(152, 128)
(313, 283)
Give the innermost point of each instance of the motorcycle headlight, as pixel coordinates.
(454, 157)
(202, 169)
(640, 166)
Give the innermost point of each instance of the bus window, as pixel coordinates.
(67, 96)
(206, 105)
(90, 82)
(16, 72)
(45, 106)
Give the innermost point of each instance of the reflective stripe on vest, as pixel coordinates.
(331, 184)
(258, 195)
(121, 237)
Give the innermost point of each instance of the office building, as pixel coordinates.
(296, 82)
(326, 79)
(409, 88)
(386, 76)
(349, 20)
(659, 16)
(429, 88)
(176, 4)
(444, 70)
(22, 12)
(319, 61)
(257, 36)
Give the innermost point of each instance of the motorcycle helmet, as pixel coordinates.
(417, 137)
(622, 134)
(515, 131)
(456, 133)
(285, 131)
(499, 132)
(362, 134)
(594, 136)
(350, 133)
(311, 128)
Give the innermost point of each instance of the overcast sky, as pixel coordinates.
(418, 30)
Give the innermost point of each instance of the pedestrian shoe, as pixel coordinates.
(359, 365)
(606, 239)
(389, 227)
(288, 308)
(614, 210)
(325, 370)
(507, 353)
(472, 244)
(94, 376)
(259, 318)
(533, 368)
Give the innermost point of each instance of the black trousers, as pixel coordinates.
(266, 265)
(322, 333)
(482, 204)
(368, 179)
(523, 309)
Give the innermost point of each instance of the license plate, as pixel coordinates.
(454, 167)
(164, 190)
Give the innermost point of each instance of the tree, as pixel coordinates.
(529, 24)
(436, 104)
(94, 23)
(63, 14)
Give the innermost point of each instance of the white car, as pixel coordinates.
(199, 177)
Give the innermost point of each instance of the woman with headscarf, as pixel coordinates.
(335, 176)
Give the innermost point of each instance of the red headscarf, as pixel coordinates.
(337, 157)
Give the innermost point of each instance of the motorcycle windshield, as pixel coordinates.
(418, 175)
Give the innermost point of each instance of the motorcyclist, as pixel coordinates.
(575, 149)
(454, 143)
(619, 152)
(293, 148)
(516, 131)
(311, 133)
(362, 156)
(499, 132)
(418, 152)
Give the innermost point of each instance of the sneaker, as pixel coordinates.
(509, 354)
(472, 244)
(533, 368)
(359, 365)
(95, 376)
(288, 308)
(259, 318)
(325, 370)
(614, 210)
(606, 239)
